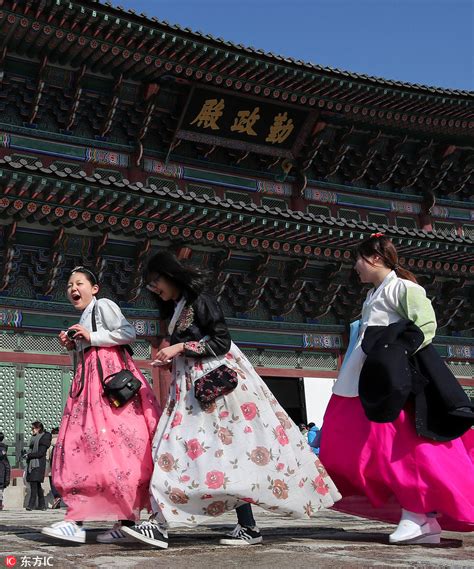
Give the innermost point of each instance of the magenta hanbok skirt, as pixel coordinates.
(102, 461)
(382, 467)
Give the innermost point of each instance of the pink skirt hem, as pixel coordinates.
(382, 467)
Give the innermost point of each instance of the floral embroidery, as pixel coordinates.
(129, 440)
(225, 436)
(215, 479)
(166, 462)
(110, 448)
(94, 445)
(196, 347)
(284, 420)
(215, 508)
(320, 486)
(186, 318)
(178, 417)
(281, 436)
(243, 445)
(249, 411)
(260, 456)
(194, 449)
(177, 496)
(279, 489)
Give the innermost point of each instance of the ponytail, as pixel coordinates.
(405, 274)
(379, 244)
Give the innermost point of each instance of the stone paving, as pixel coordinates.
(331, 540)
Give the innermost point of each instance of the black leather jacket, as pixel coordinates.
(200, 319)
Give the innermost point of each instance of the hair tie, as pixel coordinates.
(377, 235)
(395, 267)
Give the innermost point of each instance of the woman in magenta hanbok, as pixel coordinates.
(388, 470)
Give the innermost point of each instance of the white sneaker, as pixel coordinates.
(114, 535)
(416, 528)
(66, 530)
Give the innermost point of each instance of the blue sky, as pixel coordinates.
(429, 42)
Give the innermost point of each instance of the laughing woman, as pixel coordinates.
(102, 461)
(240, 448)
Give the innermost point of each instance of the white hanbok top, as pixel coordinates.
(113, 329)
(392, 300)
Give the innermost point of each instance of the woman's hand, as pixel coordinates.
(165, 355)
(81, 333)
(65, 341)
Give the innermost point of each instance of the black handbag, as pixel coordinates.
(119, 387)
(219, 381)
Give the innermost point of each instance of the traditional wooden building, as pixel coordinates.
(121, 135)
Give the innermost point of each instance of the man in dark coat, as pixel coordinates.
(4, 469)
(36, 464)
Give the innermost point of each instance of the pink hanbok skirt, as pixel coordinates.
(382, 467)
(102, 461)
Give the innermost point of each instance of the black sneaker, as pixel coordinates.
(148, 532)
(242, 535)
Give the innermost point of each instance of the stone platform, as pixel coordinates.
(331, 540)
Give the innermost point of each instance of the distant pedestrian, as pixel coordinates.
(314, 438)
(36, 465)
(5, 470)
(303, 429)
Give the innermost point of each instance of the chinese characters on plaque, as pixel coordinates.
(213, 114)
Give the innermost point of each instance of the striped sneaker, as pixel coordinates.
(114, 535)
(66, 530)
(149, 532)
(242, 535)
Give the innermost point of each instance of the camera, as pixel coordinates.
(71, 333)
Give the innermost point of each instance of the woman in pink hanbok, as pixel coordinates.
(102, 462)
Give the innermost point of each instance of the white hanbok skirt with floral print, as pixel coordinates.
(242, 448)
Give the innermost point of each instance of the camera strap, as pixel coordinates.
(99, 363)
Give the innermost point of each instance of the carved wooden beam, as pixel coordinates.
(56, 260)
(8, 256)
(150, 98)
(39, 91)
(143, 249)
(76, 99)
(113, 106)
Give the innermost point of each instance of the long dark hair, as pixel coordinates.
(191, 281)
(380, 245)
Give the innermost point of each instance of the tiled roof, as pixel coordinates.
(237, 207)
(275, 58)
